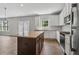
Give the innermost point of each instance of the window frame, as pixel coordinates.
(2, 25)
(44, 23)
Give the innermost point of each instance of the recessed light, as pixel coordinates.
(21, 5)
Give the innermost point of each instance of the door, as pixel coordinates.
(23, 28)
(26, 28)
(20, 27)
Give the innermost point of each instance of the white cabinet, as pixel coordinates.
(61, 18)
(36, 21)
(50, 34)
(65, 12)
(54, 20)
(67, 45)
(62, 15)
(58, 36)
(68, 8)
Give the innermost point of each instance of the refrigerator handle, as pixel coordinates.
(72, 49)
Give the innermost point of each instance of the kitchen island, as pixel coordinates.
(30, 44)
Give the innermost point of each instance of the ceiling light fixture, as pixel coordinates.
(5, 13)
(21, 5)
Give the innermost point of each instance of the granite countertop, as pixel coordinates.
(32, 34)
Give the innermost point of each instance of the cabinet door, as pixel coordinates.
(37, 46)
(26, 46)
(65, 12)
(37, 21)
(67, 44)
(41, 41)
(20, 28)
(68, 8)
(26, 27)
(61, 18)
(54, 20)
(58, 36)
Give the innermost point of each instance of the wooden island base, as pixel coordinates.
(31, 44)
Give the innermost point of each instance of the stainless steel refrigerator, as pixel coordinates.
(74, 38)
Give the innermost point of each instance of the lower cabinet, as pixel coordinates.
(38, 47)
(30, 46)
(67, 45)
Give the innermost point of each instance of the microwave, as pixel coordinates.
(67, 19)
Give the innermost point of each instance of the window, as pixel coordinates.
(45, 23)
(3, 25)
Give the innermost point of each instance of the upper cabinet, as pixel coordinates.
(54, 20)
(61, 18)
(65, 12)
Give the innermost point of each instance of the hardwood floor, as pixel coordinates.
(8, 46)
(51, 47)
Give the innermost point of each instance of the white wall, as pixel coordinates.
(13, 24)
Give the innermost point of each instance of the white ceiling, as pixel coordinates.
(14, 9)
